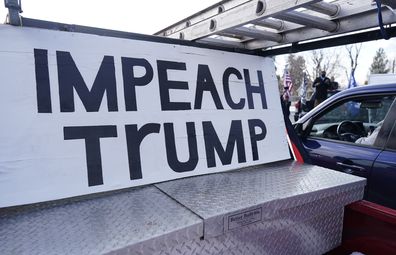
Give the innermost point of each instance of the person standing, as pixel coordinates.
(285, 99)
(333, 83)
(287, 89)
(321, 85)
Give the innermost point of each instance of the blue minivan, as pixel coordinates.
(354, 132)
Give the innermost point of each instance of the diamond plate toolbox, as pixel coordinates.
(279, 208)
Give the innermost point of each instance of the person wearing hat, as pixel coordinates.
(321, 85)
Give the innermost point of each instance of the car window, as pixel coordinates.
(392, 139)
(391, 119)
(355, 120)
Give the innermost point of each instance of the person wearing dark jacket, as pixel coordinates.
(322, 84)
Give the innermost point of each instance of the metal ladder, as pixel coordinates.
(268, 24)
(271, 27)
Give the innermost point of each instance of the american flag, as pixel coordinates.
(287, 81)
(287, 84)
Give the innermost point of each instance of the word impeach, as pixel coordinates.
(71, 84)
(70, 79)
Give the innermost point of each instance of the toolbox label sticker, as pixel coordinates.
(244, 218)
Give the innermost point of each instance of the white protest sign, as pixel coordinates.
(83, 113)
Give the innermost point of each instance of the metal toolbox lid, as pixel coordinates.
(229, 200)
(130, 219)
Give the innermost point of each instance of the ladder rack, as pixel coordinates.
(267, 24)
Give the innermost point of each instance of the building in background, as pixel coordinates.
(386, 78)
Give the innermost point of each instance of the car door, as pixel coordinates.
(348, 158)
(382, 189)
(327, 148)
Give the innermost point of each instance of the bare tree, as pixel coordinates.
(317, 59)
(325, 60)
(353, 51)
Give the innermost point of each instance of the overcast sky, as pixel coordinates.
(148, 17)
(140, 16)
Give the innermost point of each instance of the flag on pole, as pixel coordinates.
(287, 81)
(353, 107)
(352, 82)
(287, 84)
(303, 89)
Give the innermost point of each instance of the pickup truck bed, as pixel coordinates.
(282, 208)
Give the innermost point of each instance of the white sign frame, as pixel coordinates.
(50, 123)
